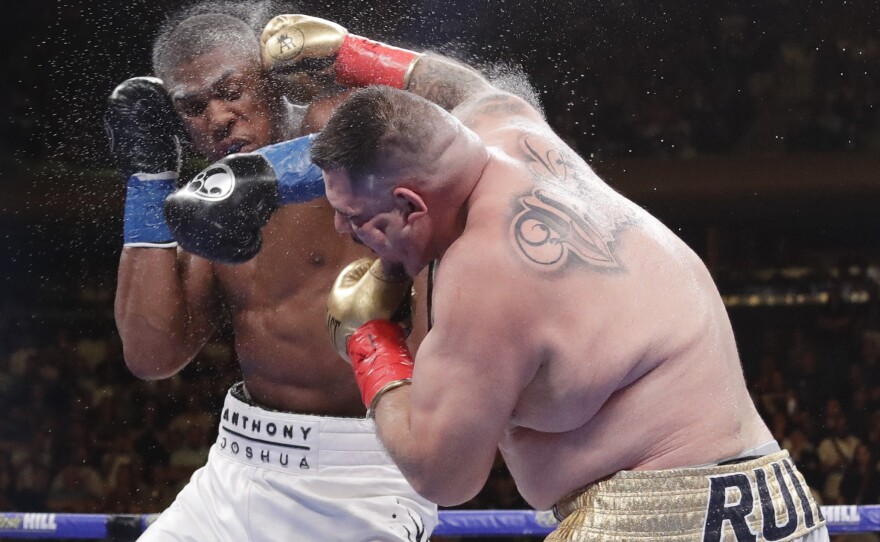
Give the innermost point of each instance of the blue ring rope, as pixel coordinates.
(840, 519)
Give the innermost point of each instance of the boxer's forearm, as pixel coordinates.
(445, 82)
(158, 336)
(359, 61)
(441, 477)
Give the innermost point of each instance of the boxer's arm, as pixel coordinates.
(420, 307)
(165, 300)
(467, 94)
(446, 82)
(221, 212)
(303, 44)
(443, 431)
(161, 301)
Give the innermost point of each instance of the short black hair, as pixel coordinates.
(370, 124)
(202, 27)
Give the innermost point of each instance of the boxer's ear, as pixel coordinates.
(410, 204)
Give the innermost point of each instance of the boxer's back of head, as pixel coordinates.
(204, 27)
(378, 129)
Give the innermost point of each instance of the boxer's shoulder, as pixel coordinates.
(318, 112)
(493, 115)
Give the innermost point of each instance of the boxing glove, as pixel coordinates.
(220, 213)
(296, 43)
(365, 309)
(145, 135)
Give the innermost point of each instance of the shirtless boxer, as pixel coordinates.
(295, 459)
(571, 329)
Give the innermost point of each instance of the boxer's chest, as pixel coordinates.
(300, 256)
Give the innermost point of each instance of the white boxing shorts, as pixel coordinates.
(277, 476)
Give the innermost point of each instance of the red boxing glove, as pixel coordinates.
(362, 62)
(380, 358)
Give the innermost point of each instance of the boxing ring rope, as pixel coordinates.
(470, 523)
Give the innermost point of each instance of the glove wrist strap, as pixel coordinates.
(380, 358)
(299, 180)
(362, 62)
(144, 219)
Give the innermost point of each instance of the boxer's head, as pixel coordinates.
(398, 170)
(209, 60)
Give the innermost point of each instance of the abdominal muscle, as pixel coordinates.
(278, 302)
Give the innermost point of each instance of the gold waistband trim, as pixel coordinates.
(715, 503)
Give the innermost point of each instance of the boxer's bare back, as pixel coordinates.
(617, 319)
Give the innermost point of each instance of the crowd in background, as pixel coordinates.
(758, 77)
(620, 78)
(80, 434)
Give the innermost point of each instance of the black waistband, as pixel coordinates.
(736, 460)
(240, 392)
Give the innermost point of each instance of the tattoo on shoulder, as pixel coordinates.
(565, 219)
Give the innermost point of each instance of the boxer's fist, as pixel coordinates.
(299, 49)
(365, 291)
(144, 134)
(143, 130)
(220, 213)
(300, 42)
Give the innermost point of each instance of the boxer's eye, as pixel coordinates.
(192, 108)
(231, 91)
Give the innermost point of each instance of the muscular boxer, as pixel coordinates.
(295, 458)
(572, 330)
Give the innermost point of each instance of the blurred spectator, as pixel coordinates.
(77, 488)
(804, 455)
(127, 490)
(836, 451)
(861, 482)
(32, 485)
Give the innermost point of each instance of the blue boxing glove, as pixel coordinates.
(144, 134)
(219, 214)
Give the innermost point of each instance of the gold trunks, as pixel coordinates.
(763, 499)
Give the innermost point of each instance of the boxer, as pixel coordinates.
(252, 239)
(572, 330)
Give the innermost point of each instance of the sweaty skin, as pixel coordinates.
(572, 330)
(168, 302)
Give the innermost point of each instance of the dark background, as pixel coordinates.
(750, 128)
